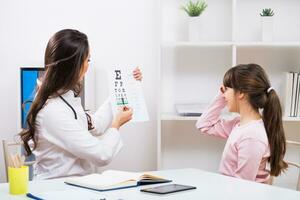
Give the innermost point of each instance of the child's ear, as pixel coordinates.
(241, 95)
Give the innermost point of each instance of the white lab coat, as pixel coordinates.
(65, 147)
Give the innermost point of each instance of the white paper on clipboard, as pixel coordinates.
(125, 90)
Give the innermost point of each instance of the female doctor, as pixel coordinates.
(61, 135)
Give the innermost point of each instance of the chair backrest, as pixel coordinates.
(298, 166)
(291, 164)
(6, 151)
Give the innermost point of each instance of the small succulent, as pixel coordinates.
(267, 12)
(194, 9)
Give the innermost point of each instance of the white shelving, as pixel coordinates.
(291, 119)
(193, 72)
(238, 44)
(198, 44)
(174, 117)
(268, 44)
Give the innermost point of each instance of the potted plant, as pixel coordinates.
(194, 10)
(267, 24)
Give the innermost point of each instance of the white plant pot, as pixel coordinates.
(194, 29)
(267, 29)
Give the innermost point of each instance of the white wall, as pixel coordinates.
(120, 32)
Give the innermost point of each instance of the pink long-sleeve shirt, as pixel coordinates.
(247, 148)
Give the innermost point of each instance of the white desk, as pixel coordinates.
(209, 186)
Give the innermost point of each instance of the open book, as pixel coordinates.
(113, 179)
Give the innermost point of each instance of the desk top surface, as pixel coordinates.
(209, 186)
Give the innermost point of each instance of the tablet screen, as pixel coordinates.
(165, 189)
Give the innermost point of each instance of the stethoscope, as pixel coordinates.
(89, 120)
(75, 114)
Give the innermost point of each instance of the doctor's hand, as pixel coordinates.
(137, 74)
(124, 115)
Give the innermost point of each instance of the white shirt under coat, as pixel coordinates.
(65, 147)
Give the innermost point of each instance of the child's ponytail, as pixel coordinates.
(272, 117)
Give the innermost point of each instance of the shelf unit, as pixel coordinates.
(174, 117)
(193, 72)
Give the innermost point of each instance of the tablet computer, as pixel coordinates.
(166, 189)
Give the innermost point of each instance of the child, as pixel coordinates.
(253, 138)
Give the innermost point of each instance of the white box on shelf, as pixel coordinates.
(195, 31)
(267, 29)
(190, 109)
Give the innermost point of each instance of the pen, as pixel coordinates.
(31, 196)
(123, 102)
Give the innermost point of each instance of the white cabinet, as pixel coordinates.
(193, 72)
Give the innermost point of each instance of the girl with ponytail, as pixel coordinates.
(254, 138)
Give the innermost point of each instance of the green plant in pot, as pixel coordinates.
(267, 24)
(194, 9)
(267, 12)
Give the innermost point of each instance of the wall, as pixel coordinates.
(120, 33)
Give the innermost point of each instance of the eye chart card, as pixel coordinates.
(126, 91)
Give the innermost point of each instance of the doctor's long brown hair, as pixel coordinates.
(65, 54)
(252, 80)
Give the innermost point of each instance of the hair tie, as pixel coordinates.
(269, 89)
